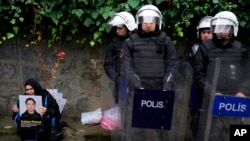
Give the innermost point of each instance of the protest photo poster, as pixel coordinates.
(30, 115)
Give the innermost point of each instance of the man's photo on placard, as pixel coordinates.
(29, 111)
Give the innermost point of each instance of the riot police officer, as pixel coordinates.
(124, 22)
(227, 54)
(150, 63)
(224, 26)
(192, 55)
(149, 42)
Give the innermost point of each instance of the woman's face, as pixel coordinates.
(29, 90)
(30, 105)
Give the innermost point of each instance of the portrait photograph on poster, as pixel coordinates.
(29, 111)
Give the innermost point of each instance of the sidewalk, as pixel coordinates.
(75, 131)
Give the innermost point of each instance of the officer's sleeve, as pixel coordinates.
(200, 67)
(108, 63)
(170, 58)
(127, 68)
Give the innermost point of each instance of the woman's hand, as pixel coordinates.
(42, 109)
(15, 109)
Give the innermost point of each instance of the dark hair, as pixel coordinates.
(35, 85)
(30, 99)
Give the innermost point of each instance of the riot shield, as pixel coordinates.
(111, 114)
(223, 107)
(148, 112)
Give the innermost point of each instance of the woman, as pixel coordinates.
(49, 109)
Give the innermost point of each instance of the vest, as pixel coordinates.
(235, 51)
(229, 67)
(148, 54)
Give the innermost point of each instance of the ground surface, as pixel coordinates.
(75, 131)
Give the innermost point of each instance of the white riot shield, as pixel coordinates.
(222, 109)
(151, 114)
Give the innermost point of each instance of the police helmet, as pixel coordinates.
(225, 21)
(123, 18)
(149, 14)
(203, 23)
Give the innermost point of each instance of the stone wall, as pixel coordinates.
(80, 77)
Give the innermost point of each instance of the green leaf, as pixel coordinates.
(16, 15)
(83, 40)
(54, 30)
(68, 38)
(178, 5)
(60, 28)
(96, 35)
(65, 22)
(13, 21)
(77, 12)
(33, 42)
(16, 29)
(159, 1)
(215, 1)
(92, 43)
(55, 20)
(85, 1)
(94, 14)
(21, 19)
(4, 38)
(133, 3)
(10, 35)
(73, 30)
(197, 8)
(104, 11)
(243, 23)
(88, 21)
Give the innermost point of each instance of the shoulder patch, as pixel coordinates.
(195, 48)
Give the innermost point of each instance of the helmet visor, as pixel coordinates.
(222, 26)
(148, 19)
(228, 29)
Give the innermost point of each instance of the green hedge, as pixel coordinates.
(51, 21)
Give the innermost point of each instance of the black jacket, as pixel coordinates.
(112, 61)
(196, 56)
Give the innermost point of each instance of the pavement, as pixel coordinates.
(74, 131)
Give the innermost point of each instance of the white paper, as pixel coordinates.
(59, 98)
